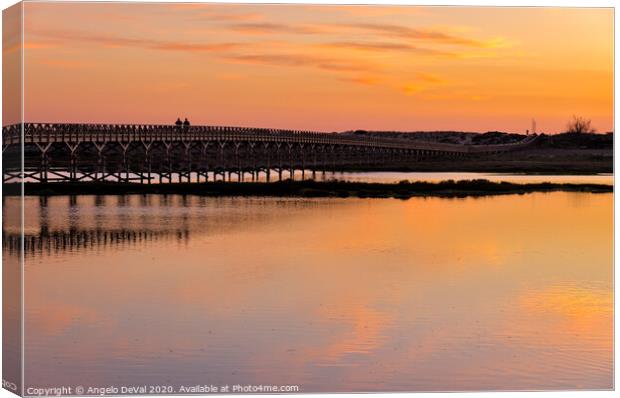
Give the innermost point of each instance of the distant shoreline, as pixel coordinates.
(565, 163)
(305, 189)
(499, 168)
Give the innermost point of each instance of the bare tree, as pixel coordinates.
(580, 125)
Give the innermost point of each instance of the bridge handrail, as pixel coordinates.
(76, 132)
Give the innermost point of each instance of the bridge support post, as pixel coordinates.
(313, 151)
(125, 161)
(253, 158)
(44, 161)
(73, 160)
(100, 162)
(147, 155)
(149, 168)
(205, 147)
(44, 168)
(221, 159)
(267, 154)
(302, 154)
(162, 175)
(188, 157)
(291, 168)
(238, 162)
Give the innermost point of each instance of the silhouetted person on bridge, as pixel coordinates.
(178, 122)
(186, 123)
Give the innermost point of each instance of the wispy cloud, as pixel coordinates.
(421, 82)
(363, 80)
(378, 11)
(345, 66)
(436, 36)
(273, 28)
(324, 63)
(195, 47)
(412, 88)
(228, 51)
(390, 46)
(429, 77)
(226, 17)
(118, 41)
(190, 6)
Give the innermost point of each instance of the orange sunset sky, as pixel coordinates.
(326, 68)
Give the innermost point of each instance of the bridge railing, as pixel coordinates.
(43, 133)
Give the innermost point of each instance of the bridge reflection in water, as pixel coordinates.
(45, 233)
(167, 153)
(82, 223)
(48, 242)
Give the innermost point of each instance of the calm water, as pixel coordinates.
(508, 292)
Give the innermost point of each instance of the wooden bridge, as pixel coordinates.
(171, 153)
